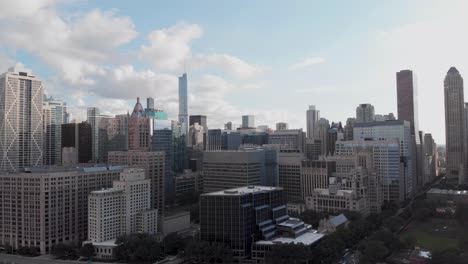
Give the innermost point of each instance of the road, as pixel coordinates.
(15, 259)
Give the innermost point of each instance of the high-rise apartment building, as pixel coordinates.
(335, 133)
(312, 116)
(122, 209)
(76, 142)
(455, 140)
(153, 164)
(248, 121)
(21, 131)
(183, 103)
(365, 113)
(54, 114)
(43, 208)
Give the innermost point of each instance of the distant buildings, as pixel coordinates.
(21, 129)
(365, 113)
(454, 125)
(54, 114)
(281, 126)
(248, 121)
(139, 131)
(291, 139)
(76, 143)
(183, 103)
(200, 120)
(312, 117)
(289, 174)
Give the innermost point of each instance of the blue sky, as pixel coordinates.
(268, 58)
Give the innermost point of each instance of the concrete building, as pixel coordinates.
(454, 125)
(388, 130)
(291, 139)
(51, 205)
(93, 118)
(231, 140)
(153, 164)
(335, 133)
(202, 121)
(139, 131)
(239, 217)
(248, 121)
(348, 129)
(231, 169)
(315, 174)
(76, 143)
(289, 174)
(122, 209)
(313, 149)
(21, 134)
(54, 114)
(183, 103)
(430, 159)
(312, 117)
(365, 113)
(448, 196)
(187, 182)
(228, 126)
(282, 126)
(196, 136)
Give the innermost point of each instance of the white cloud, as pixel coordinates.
(22, 8)
(233, 65)
(307, 62)
(169, 48)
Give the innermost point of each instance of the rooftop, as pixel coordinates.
(307, 239)
(243, 190)
(443, 191)
(338, 220)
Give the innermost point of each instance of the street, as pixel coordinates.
(15, 259)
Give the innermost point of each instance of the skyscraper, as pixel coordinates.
(313, 117)
(281, 126)
(21, 135)
(407, 98)
(54, 115)
(76, 143)
(183, 103)
(365, 113)
(93, 116)
(454, 124)
(139, 134)
(248, 121)
(150, 103)
(201, 120)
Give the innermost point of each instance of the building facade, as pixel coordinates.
(54, 114)
(312, 117)
(21, 129)
(76, 143)
(365, 113)
(248, 121)
(291, 139)
(183, 103)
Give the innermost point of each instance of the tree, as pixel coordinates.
(28, 251)
(138, 248)
(389, 239)
(422, 214)
(62, 250)
(409, 242)
(173, 243)
(313, 217)
(393, 223)
(87, 251)
(376, 251)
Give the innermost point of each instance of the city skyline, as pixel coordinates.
(229, 76)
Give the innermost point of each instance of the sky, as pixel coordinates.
(271, 58)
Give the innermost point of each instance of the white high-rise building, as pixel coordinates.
(54, 115)
(21, 139)
(313, 116)
(365, 113)
(123, 209)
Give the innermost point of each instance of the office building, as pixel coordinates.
(365, 113)
(248, 121)
(76, 143)
(313, 149)
(335, 133)
(348, 130)
(116, 133)
(454, 125)
(289, 174)
(200, 120)
(183, 103)
(153, 164)
(150, 103)
(239, 217)
(231, 140)
(54, 114)
(312, 117)
(323, 126)
(93, 118)
(21, 134)
(228, 126)
(188, 182)
(430, 159)
(315, 174)
(51, 206)
(230, 169)
(139, 131)
(281, 126)
(215, 139)
(291, 139)
(196, 136)
(388, 130)
(122, 209)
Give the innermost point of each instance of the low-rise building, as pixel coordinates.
(448, 196)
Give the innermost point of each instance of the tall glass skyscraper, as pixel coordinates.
(454, 125)
(313, 117)
(54, 114)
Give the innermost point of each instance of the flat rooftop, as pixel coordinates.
(452, 192)
(244, 190)
(307, 239)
